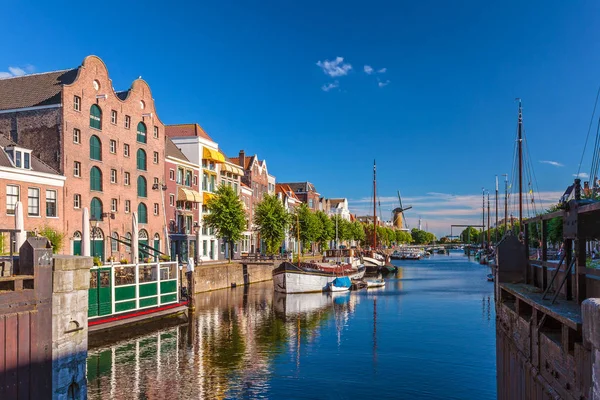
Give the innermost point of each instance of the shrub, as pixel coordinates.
(97, 261)
(56, 238)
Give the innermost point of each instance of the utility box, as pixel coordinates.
(36, 251)
(512, 260)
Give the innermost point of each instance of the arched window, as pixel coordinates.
(95, 148)
(141, 132)
(96, 179)
(128, 240)
(142, 187)
(115, 244)
(96, 208)
(95, 117)
(141, 160)
(142, 213)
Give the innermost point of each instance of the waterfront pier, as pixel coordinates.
(548, 311)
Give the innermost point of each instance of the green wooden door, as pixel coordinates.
(104, 292)
(142, 250)
(97, 247)
(93, 294)
(77, 247)
(156, 247)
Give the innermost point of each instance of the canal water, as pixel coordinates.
(429, 334)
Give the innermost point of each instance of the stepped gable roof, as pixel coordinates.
(171, 150)
(35, 89)
(179, 130)
(36, 164)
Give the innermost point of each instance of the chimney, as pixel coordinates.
(242, 159)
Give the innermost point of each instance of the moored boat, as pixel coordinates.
(307, 277)
(340, 284)
(375, 283)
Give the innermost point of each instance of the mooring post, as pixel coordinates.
(590, 313)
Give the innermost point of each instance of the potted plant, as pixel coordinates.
(164, 258)
(124, 261)
(97, 262)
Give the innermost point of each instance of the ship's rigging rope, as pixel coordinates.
(588, 136)
(595, 160)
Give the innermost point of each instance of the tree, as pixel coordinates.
(272, 221)
(469, 235)
(358, 231)
(327, 231)
(56, 238)
(422, 237)
(226, 216)
(309, 225)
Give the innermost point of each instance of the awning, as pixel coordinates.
(184, 194)
(233, 169)
(207, 196)
(209, 171)
(213, 155)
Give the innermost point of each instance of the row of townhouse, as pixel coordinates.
(70, 141)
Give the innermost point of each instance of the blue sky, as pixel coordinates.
(440, 120)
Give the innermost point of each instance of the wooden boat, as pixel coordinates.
(490, 278)
(346, 256)
(375, 283)
(307, 277)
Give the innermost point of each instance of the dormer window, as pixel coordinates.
(21, 158)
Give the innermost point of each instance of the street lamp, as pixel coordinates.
(94, 224)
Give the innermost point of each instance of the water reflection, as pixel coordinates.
(433, 319)
(229, 346)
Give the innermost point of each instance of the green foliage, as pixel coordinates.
(422, 237)
(97, 261)
(226, 215)
(403, 237)
(358, 231)
(310, 226)
(272, 221)
(56, 238)
(469, 235)
(327, 231)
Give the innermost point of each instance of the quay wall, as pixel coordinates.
(590, 309)
(70, 284)
(220, 276)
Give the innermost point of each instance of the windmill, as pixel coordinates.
(399, 221)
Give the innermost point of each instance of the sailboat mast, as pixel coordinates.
(505, 203)
(488, 231)
(374, 206)
(496, 235)
(520, 144)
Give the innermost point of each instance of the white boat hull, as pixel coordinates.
(292, 282)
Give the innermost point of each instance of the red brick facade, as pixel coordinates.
(51, 134)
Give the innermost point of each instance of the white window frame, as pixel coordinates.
(112, 146)
(155, 158)
(127, 122)
(125, 150)
(113, 176)
(76, 136)
(77, 103)
(127, 206)
(155, 132)
(113, 117)
(127, 179)
(113, 205)
(50, 199)
(77, 201)
(10, 206)
(29, 201)
(77, 169)
(155, 208)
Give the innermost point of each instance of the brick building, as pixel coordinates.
(290, 202)
(109, 145)
(215, 169)
(257, 178)
(306, 192)
(25, 178)
(184, 202)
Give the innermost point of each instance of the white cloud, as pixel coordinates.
(554, 163)
(368, 69)
(583, 175)
(440, 210)
(382, 84)
(335, 67)
(382, 71)
(329, 86)
(17, 71)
